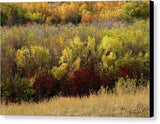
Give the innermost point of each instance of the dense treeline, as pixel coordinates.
(42, 61)
(74, 12)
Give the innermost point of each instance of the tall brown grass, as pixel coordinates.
(103, 104)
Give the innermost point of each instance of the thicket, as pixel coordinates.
(40, 62)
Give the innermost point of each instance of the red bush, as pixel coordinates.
(127, 72)
(83, 81)
(109, 81)
(86, 80)
(67, 88)
(45, 86)
(80, 83)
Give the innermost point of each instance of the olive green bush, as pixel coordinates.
(16, 89)
(12, 9)
(134, 10)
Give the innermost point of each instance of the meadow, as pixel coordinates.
(75, 58)
(102, 105)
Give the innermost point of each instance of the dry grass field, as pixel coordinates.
(109, 105)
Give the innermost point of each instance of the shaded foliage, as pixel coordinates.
(16, 89)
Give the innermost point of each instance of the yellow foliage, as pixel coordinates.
(21, 56)
(91, 44)
(66, 55)
(83, 8)
(39, 8)
(76, 64)
(40, 54)
(64, 10)
(77, 43)
(35, 55)
(61, 40)
(107, 44)
(108, 60)
(58, 72)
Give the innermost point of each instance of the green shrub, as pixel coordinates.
(34, 17)
(134, 10)
(16, 89)
(11, 9)
(55, 19)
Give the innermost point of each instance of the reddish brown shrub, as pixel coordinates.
(109, 82)
(67, 88)
(45, 86)
(86, 80)
(127, 72)
(82, 83)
